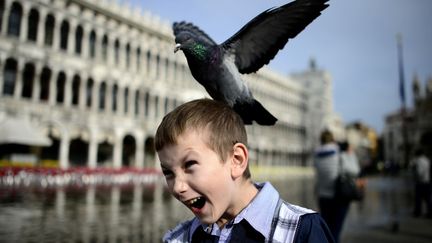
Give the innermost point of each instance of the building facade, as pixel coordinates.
(95, 78)
(407, 130)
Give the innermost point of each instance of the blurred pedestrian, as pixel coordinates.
(326, 163)
(420, 166)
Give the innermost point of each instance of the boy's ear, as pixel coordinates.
(239, 160)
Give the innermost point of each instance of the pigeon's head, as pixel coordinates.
(185, 41)
(190, 45)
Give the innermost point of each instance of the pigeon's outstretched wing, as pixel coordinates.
(259, 40)
(179, 27)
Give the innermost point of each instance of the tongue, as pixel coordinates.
(199, 203)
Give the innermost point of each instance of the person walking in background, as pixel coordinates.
(326, 163)
(422, 189)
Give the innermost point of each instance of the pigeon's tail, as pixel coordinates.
(254, 111)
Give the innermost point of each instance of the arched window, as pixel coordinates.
(127, 56)
(148, 62)
(2, 8)
(146, 104)
(116, 51)
(28, 77)
(9, 78)
(45, 84)
(61, 81)
(102, 93)
(158, 66)
(33, 22)
(138, 59)
(76, 82)
(14, 24)
(89, 92)
(137, 102)
(78, 39)
(126, 100)
(105, 48)
(114, 97)
(92, 44)
(156, 107)
(49, 30)
(64, 33)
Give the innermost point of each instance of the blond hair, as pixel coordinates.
(225, 127)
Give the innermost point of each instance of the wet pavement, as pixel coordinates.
(385, 214)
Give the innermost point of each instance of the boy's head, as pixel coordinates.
(202, 151)
(224, 125)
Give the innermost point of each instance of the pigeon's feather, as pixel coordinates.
(259, 40)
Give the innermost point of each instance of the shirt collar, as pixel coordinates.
(259, 213)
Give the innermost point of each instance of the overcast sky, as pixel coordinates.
(355, 41)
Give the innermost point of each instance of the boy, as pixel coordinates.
(203, 155)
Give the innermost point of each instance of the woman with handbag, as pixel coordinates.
(330, 162)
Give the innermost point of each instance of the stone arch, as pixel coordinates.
(89, 92)
(102, 96)
(9, 76)
(129, 151)
(45, 84)
(60, 85)
(105, 153)
(137, 103)
(28, 80)
(126, 104)
(79, 32)
(49, 30)
(33, 22)
(76, 83)
(78, 152)
(114, 104)
(104, 48)
(64, 34)
(92, 44)
(2, 8)
(15, 18)
(149, 152)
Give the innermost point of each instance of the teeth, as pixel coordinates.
(192, 201)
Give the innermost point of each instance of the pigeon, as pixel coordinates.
(219, 67)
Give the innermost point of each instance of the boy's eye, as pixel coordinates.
(190, 163)
(167, 173)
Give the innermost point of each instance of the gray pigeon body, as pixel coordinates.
(218, 67)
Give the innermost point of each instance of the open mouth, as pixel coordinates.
(196, 203)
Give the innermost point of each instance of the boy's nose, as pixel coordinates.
(180, 186)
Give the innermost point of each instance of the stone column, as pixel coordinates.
(6, 15)
(2, 64)
(18, 80)
(37, 83)
(72, 37)
(85, 43)
(68, 88)
(117, 156)
(41, 27)
(95, 96)
(24, 22)
(57, 29)
(64, 149)
(139, 151)
(93, 147)
(53, 87)
(82, 91)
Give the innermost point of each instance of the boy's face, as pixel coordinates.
(197, 177)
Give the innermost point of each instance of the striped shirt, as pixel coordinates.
(275, 219)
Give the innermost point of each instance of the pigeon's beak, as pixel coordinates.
(177, 47)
